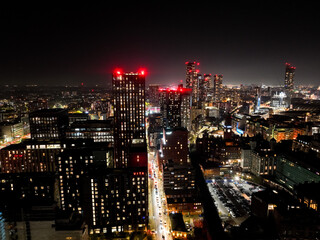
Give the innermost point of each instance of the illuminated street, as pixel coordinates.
(159, 220)
(17, 140)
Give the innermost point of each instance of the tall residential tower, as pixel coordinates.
(217, 87)
(129, 113)
(175, 107)
(288, 79)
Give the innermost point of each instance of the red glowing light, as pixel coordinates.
(142, 72)
(197, 71)
(198, 64)
(187, 62)
(118, 71)
(175, 90)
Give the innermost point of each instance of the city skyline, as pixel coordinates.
(159, 121)
(247, 43)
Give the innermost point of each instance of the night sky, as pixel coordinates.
(247, 43)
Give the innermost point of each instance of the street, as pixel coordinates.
(159, 219)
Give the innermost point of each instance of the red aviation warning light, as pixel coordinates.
(142, 72)
(118, 71)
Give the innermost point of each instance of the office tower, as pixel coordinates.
(288, 79)
(98, 130)
(217, 87)
(153, 94)
(49, 124)
(129, 113)
(191, 73)
(175, 107)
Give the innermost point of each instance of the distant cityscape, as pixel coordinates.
(198, 159)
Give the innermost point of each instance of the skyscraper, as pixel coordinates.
(204, 87)
(217, 87)
(191, 73)
(288, 79)
(192, 80)
(129, 113)
(119, 195)
(153, 95)
(175, 107)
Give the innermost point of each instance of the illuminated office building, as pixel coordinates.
(49, 124)
(98, 130)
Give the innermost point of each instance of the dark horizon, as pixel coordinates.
(248, 43)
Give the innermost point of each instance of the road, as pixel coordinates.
(17, 140)
(159, 219)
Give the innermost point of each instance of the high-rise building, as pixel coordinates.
(288, 79)
(153, 94)
(49, 124)
(178, 173)
(193, 79)
(129, 113)
(117, 200)
(175, 146)
(204, 86)
(74, 165)
(217, 87)
(196, 89)
(191, 73)
(119, 197)
(175, 107)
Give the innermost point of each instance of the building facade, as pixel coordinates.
(129, 113)
(175, 107)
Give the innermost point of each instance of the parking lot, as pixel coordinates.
(232, 198)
